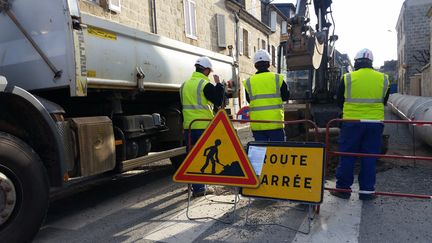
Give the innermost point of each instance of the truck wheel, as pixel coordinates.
(24, 190)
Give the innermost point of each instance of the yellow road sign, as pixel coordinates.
(218, 158)
(292, 171)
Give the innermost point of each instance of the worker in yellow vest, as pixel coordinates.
(197, 95)
(266, 91)
(362, 95)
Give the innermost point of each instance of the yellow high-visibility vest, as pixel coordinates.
(265, 100)
(195, 104)
(365, 90)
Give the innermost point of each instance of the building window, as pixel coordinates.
(93, 1)
(220, 23)
(240, 40)
(242, 2)
(190, 18)
(263, 45)
(273, 21)
(114, 5)
(284, 28)
(254, 8)
(245, 42)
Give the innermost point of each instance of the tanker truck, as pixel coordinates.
(82, 97)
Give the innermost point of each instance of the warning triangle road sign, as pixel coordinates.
(218, 158)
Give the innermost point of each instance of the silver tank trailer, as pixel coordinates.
(92, 52)
(414, 108)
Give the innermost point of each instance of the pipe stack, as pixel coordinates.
(414, 108)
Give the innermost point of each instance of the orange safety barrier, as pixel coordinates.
(330, 154)
(314, 126)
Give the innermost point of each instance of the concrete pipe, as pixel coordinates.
(414, 108)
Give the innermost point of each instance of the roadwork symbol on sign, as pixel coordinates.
(290, 170)
(218, 158)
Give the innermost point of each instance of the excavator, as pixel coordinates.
(312, 65)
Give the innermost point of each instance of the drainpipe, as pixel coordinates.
(237, 30)
(237, 55)
(153, 16)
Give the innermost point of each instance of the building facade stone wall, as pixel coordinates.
(415, 84)
(170, 19)
(427, 70)
(413, 39)
(426, 81)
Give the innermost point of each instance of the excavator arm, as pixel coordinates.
(307, 48)
(312, 64)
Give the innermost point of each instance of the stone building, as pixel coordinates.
(413, 42)
(230, 27)
(288, 9)
(390, 68)
(426, 85)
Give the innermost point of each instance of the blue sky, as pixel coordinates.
(365, 24)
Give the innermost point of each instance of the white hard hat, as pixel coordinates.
(261, 55)
(364, 53)
(204, 62)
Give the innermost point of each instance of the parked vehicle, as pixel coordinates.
(81, 96)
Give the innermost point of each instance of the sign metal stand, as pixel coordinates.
(291, 171)
(221, 132)
(218, 146)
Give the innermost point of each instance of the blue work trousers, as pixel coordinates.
(195, 135)
(359, 138)
(269, 135)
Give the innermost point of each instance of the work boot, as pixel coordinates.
(367, 197)
(343, 195)
(206, 191)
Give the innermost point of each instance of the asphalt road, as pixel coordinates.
(149, 207)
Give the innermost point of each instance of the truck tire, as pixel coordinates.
(24, 190)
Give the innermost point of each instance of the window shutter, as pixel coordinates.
(273, 19)
(190, 18)
(240, 37)
(245, 42)
(187, 17)
(114, 5)
(192, 6)
(220, 18)
(284, 27)
(254, 8)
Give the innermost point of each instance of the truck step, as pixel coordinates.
(150, 158)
